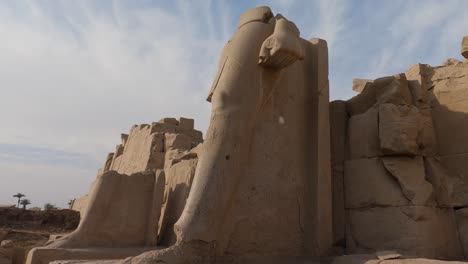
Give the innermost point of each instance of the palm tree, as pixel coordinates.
(19, 196)
(25, 202)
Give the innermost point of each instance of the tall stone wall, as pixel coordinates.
(445, 88)
(399, 166)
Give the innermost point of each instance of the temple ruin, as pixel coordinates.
(283, 175)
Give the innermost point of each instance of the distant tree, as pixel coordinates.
(70, 203)
(19, 196)
(49, 206)
(24, 203)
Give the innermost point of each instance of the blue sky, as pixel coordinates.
(76, 74)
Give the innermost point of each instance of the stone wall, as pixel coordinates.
(399, 166)
(446, 90)
(148, 147)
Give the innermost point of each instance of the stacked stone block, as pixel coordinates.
(395, 189)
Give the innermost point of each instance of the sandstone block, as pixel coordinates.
(368, 183)
(427, 140)
(155, 209)
(393, 90)
(409, 171)
(162, 127)
(360, 84)
(186, 123)
(399, 128)
(108, 162)
(169, 120)
(456, 166)
(417, 83)
(438, 176)
(117, 214)
(197, 136)
(363, 135)
(179, 182)
(411, 230)
(362, 102)
(451, 124)
(177, 141)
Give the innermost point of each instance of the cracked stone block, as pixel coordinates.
(438, 176)
(368, 183)
(399, 128)
(411, 230)
(410, 173)
(457, 169)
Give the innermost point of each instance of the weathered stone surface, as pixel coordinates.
(169, 120)
(393, 90)
(79, 204)
(143, 151)
(47, 255)
(179, 182)
(186, 123)
(368, 183)
(108, 162)
(409, 171)
(11, 254)
(399, 128)
(461, 216)
(464, 48)
(6, 244)
(438, 176)
(360, 84)
(417, 83)
(338, 129)
(117, 200)
(411, 230)
(363, 135)
(124, 138)
(383, 255)
(3, 234)
(450, 61)
(362, 102)
(456, 166)
(154, 214)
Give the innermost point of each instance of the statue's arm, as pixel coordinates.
(283, 47)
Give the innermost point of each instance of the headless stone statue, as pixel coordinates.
(250, 65)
